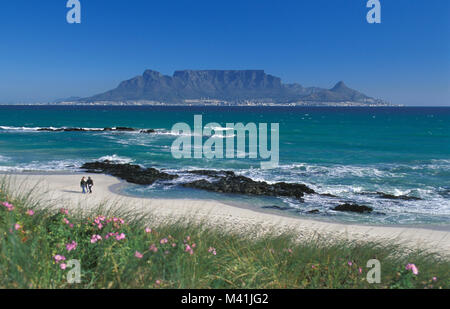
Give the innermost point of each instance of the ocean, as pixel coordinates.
(353, 154)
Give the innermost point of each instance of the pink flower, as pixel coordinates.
(158, 282)
(71, 246)
(71, 225)
(66, 221)
(350, 263)
(188, 238)
(313, 267)
(413, 268)
(194, 245)
(153, 248)
(9, 206)
(58, 258)
(121, 236)
(290, 250)
(17, 226)
(138, 255)
(188, 248)
(95, 238)
(212, 250)
(360, 270)
(434, 279)
(30, 212)
(63, 266)
(64, 211)
(174, 245)
(148, 230)
(164, 241)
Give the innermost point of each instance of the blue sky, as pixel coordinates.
(405, 59)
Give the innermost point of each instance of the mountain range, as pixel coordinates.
(224, 85)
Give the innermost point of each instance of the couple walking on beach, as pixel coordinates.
(86, 185)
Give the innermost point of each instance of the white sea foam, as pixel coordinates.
(50, 166)
(116, 159)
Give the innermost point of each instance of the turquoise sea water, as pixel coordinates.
(351, 153)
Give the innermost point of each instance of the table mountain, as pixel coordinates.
(225, 85)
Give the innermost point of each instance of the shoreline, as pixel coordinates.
(64, 187)
(117, 190)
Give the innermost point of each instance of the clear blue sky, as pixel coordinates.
(405, 59)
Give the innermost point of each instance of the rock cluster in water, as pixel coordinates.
(229, 182)
(130, 172)
(115, 129)
(353, 208)
(221, 182)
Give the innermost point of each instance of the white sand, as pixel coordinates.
(65, 189)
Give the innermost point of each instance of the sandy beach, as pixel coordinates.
(64, 190)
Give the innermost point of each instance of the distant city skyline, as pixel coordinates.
(404, 60)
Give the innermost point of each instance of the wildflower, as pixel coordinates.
(71, 246)
(360, 270)
(121, 236)
(212, 250)
(17, 226)
(194, 245)
(63, 266)
(138, 255)
(64, 211)
(290, 250)
(30, 212)
(434, 279)
(413, 268)
(71, 225)
(153, 248)
(148, 230)
(58, 258)
(350, 263)
(174, 245)
(164, 241)
(95, 238)
(188, 238)
(66, 221)
(313, 267)
(158, 282)
(8, 206)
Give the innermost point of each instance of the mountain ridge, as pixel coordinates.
(224, 85)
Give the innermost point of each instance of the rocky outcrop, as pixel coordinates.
(229, 182)
(115, 129)
(130, 172)
(353, 208)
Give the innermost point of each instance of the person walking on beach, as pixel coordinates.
(83, 184)
(90, 184)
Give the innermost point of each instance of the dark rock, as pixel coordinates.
(353, 208)
(276, 207)
(232, 183)
(129, 172)
(328, 195)
(314, 211)
(147, 131)
(117, 129)
(398, 197)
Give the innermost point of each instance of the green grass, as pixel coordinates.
(270, 261)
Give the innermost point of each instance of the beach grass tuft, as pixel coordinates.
(122, 249)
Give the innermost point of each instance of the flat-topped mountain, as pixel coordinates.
(223, 85)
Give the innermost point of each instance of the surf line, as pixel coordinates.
(189, 143)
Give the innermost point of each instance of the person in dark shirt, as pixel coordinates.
(90, 184)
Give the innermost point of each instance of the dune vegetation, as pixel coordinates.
(119, 249)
